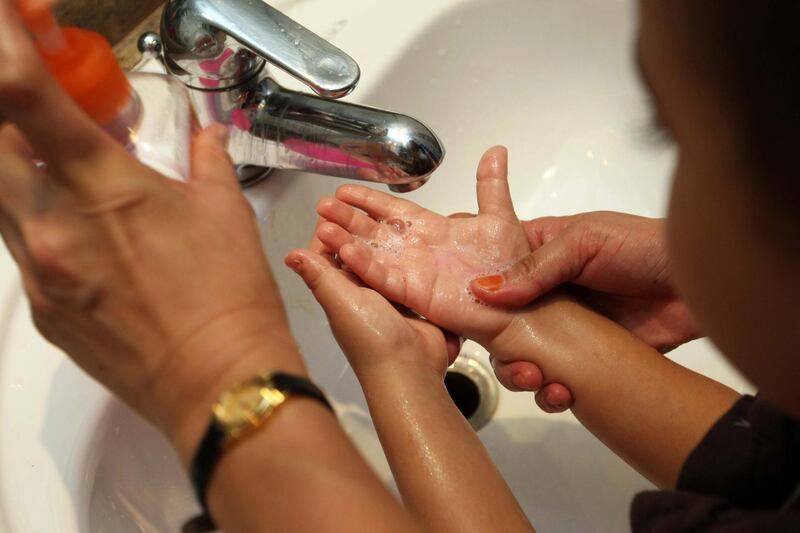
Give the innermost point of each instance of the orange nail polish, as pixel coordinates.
(490, 283)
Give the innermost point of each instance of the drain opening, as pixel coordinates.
(473, 388)
(464, 392)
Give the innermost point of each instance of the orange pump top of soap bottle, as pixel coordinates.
(81, 60)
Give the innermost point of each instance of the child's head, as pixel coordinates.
(726, 81)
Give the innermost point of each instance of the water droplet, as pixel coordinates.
(296, 42)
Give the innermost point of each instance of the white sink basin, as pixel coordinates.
(553, 81)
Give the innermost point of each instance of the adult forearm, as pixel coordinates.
(646, 408)
(299, 472)
(436, 457)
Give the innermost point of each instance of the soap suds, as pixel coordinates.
(463, 262)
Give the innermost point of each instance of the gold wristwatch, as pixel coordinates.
(238, 412)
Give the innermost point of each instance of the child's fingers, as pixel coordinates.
(331, 286)
(388, 281)
(317, 246)
(333, 236)
(376, 204)
(494, 196)
(344, 215)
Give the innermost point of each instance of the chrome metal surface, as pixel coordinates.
(198, 46)
(275, 127)
(218, 48)
(149, 44)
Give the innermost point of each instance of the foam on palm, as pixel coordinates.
(461, 261)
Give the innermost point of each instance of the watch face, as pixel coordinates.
(245, 405)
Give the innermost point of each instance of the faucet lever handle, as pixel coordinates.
(326, 69)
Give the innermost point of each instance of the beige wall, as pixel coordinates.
(112, 18)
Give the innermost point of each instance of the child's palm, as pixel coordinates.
(423, 260)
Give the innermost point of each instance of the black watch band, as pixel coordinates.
(213, 443)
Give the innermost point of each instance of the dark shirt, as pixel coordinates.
(742, 477)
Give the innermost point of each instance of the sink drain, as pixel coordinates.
(473, 389)
(464, 392)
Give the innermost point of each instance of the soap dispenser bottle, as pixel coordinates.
(150, 114)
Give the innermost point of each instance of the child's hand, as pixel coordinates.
(400, 362)
(426, 261)
(374, 335)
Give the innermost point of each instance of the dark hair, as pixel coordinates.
(751, 50)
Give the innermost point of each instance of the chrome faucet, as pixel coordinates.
(220, 50)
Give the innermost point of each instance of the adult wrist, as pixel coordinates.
(205, 367)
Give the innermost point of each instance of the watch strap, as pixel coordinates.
(213, 444)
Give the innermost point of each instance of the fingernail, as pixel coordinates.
(520, 382)
(490, 283)
(294, 264)
(549, 400)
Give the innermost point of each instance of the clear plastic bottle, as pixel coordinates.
(157, 124)
(150, 114)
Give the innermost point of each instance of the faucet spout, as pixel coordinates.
(278, 128)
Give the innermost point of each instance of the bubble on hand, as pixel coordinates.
(397, 224)
(475, 300)
(393, 246)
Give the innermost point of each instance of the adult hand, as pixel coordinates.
(617, 262)
(158, 289)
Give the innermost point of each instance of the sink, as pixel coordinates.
(553, 81)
